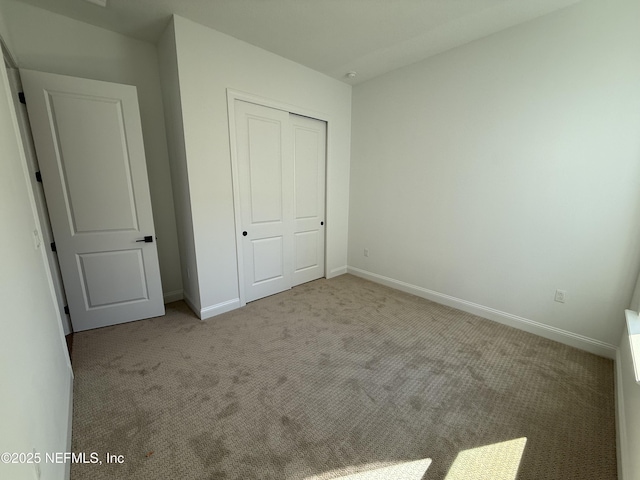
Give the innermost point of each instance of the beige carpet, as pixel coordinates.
(333, 378)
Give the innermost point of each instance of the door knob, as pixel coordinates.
(147, 239)
(321, 223)
(244, 234)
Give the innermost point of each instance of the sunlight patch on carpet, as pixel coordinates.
(498, 461)
(401, 471)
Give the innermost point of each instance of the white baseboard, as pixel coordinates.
(337, 271)
(212, 310)
(190, 303)
(621, 430)
(217, 309)
(563, 336)
(173, 296)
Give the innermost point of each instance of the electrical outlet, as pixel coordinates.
(366, 252)
(560, 296)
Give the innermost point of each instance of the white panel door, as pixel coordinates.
(280, 174)
(309, 157)
(265, 180)
(88, 138)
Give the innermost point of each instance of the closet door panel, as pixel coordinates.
(265, 168)
(309, 158)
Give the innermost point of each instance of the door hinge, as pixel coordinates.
(38, 177)
(53, 247)
(66, 309)
(22, 98)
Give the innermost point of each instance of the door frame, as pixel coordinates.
(232, 96)
(45, 236)
(46, 233)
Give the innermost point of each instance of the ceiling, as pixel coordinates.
(370, 37)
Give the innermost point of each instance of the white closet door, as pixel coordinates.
(265, 171)
(281, 182)
(309, 157)
(88, 138)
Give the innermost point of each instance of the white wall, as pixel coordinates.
(505, 169)
(209, 62)
(168, 61)
(4, 28)
(35, 373)
(52, 43)
(628, 393)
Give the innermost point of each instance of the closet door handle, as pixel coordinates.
(244, 234)
(147, 239)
